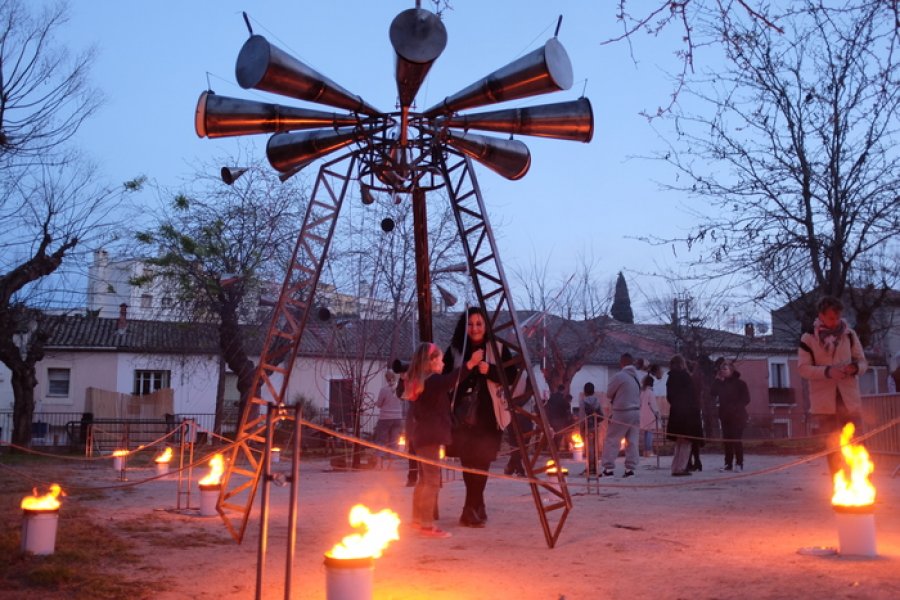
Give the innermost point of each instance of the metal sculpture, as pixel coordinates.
(405, 153)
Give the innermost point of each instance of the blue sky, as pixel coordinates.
(577, 198)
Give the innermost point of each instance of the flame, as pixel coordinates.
(577, 441)
(402, 441)
(120, 453)
(380, 530)
(855, 490)
(442, 453)
(623, 444)
(165, 456)
(216, 468)
(46, 502)
(552, 469)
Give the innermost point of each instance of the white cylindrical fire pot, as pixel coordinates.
(209, 495)
(118, 463)
(349, 578)
(276, 455)
(856, 530)
(162, 468)
(39, 531)
(578, 455)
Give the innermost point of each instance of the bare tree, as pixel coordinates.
(221, 249)
(565, 343)
(45, 95)
(51, 204)
(797, 155)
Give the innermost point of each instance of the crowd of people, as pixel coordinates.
(456, 402)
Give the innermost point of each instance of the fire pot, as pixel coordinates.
(39, 531)
(209, 495)
(856, 530)
(349, 578)
(162, 468)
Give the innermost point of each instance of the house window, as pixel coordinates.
(147, 382)
(167, 302)
(146, 300)
(778, 377)
(58, 382)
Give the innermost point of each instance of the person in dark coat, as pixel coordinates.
(733, 397)
(429, 391)
(684, 414)
(479, 425)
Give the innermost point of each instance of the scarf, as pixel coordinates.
(829, 337)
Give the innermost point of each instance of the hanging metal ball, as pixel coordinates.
(387, 225)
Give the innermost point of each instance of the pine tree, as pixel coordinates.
(621, 307)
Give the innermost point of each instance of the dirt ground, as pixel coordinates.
(711, 535)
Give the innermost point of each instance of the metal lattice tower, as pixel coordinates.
(407, 153)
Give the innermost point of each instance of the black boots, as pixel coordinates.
(471, 518)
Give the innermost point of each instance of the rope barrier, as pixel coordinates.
(450, 467)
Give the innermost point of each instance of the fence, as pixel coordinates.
(877, 410)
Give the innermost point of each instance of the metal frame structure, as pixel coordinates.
(401, 153)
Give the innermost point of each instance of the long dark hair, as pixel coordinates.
(459, 334)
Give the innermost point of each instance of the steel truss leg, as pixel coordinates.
(493, 296)
(270, 381)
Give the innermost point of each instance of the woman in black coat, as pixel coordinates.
(478, 428)
(733, 397)
(685, 422)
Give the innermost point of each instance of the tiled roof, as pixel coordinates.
(607, 338)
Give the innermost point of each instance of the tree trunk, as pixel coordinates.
(220, 398)
(23, 383)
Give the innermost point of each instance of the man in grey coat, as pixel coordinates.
(624, 393)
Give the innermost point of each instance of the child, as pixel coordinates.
(428, 389)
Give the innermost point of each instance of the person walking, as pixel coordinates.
(389, 426)
(684, 414)
(559, 413)
(831, 358)
(624, 393)
(479, 409)
(429, 391)
(733, 397)
(650, 417)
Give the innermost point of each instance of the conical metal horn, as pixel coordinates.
(418, 38)
(288, 151)
(230, 174)
(263, 66)
(221, 116)
(563, 121)
(509, 158)
(547, 69)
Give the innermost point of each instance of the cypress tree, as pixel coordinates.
(621, 306)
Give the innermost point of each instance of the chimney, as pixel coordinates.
(749, 330)
(123, 318)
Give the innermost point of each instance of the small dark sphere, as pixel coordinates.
(387, 225)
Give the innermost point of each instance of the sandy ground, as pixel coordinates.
(654, 536)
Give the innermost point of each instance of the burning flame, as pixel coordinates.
(442, 453)
(577, 441)
(623, 444)
(380, 530)
(402, 441)
(552, 468)
(855, 490)
(46, 502)
(120, 453)
(216, 468)
(165, 456)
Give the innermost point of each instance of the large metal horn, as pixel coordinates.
(287, 151)
(418, 38)
(509, 158)
(263, 66)
(563, 121)
(547, 69)
(221, 116)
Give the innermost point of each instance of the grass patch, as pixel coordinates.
(90, 561)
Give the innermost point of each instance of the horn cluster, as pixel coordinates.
(395, 158)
